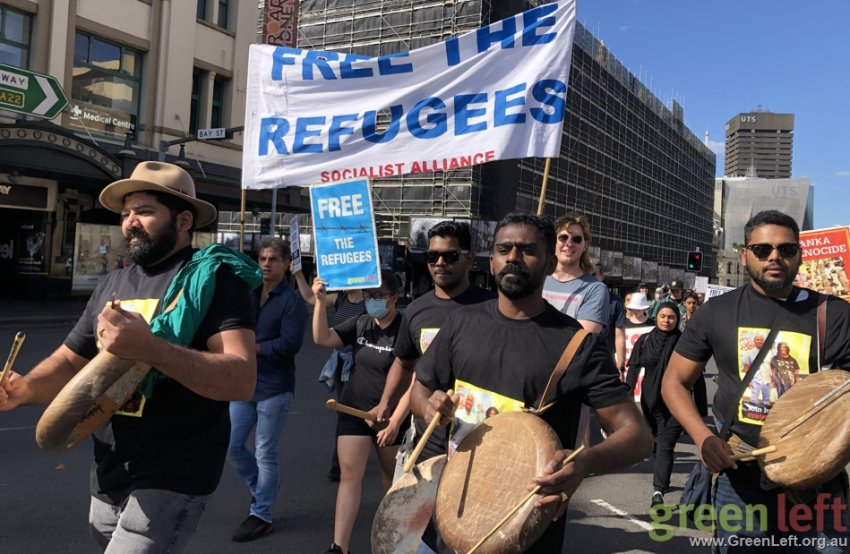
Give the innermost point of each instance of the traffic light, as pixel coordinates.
(694, 261)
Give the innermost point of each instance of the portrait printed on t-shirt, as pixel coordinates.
(782, 367)
(476, 405)
(426, 337)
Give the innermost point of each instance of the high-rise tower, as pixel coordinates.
(759, 144)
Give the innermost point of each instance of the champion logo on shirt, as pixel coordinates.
(363, 342)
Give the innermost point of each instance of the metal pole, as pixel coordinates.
(274, 212)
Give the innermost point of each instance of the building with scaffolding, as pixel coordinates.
(627, 161)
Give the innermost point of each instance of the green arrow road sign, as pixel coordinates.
(30, 93)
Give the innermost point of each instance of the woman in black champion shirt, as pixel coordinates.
(372, 335)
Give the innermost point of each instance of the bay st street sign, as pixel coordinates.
(30, 93)
(214, 133)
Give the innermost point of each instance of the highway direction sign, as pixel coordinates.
(30, 93)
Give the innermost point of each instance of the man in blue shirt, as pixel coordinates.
(281, 321)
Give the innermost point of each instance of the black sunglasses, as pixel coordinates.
(449, 256)
(577, 239)
(763, 250)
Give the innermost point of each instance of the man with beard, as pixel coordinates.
(449, 257)
(509, 346)
(721, 328)
(160, 455)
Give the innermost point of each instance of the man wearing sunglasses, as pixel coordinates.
(572, 289)
(449, 259)
(724, 328)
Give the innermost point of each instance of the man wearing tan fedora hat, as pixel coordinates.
(188, 315)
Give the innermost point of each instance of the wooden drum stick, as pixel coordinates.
(335, 406)
(411, 461)
(753, 453)
(528, 497)
(16, 347)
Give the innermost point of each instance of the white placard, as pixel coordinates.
(295, 245)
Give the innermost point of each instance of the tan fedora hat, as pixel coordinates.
(161, 177)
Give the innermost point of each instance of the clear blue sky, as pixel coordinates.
(724, 57)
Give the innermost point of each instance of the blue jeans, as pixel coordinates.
(741, 488)
(259, 470)
(148, 521)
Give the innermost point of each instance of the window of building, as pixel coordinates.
(209, 95)
(215, 11)
(222, 13)
(217, 112)
(14, 37)
(728, 267)
(106, 87)
(195, 108)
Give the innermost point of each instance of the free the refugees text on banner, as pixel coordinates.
(498, 92)
(346, 242)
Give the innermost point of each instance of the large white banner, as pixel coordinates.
(497, 92)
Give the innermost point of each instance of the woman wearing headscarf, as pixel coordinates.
(651, 352)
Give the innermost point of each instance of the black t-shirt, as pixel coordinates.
(373, 356)
(733, 346)
(515, 358)
(345, 309)
(420, 324)
(174, 440)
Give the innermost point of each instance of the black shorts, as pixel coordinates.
(347, 425)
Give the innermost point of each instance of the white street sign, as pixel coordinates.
(206, 134)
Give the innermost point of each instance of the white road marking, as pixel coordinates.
(16, 428)
(625, 515)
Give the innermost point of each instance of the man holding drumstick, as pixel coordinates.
(161, 455)
(771, 256)
(509, 346)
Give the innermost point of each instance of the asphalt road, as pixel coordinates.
(44, 497)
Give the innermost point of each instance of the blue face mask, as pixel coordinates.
(377, 307)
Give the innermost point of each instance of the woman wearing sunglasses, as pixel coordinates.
(372, 336)
(572, 289)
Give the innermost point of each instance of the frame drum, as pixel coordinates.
(406, 509)
(88, 400)
(818, 448)
(487, 476)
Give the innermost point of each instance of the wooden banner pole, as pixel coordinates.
(542, 200)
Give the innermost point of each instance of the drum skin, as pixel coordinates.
(88, 400)
(819, 448)
(487, 476)
(406, 509)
